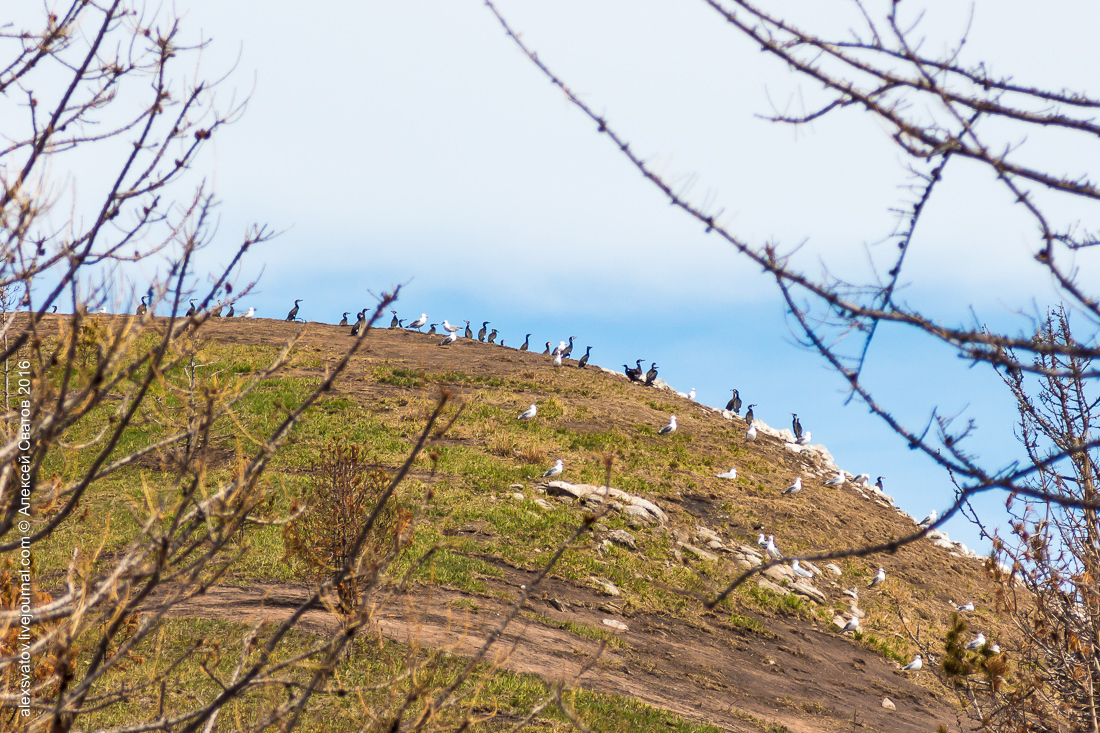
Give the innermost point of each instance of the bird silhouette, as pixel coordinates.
(293, 311)
(584, 359)
(734, 405)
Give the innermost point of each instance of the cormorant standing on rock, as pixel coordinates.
(142, 308)
(344, 320)
(568, 349)
(469, 333)
(230, 313)
(394, 322)
(734, 405)
(748, 414)
(547, 350)
(360, 321)
(796, 426)
(635, 373)
(481, 332)
(584, 359)
(493, 336)
(651, 374)
(191, 311)
(526, 343)
(431, 330)
(293, 311)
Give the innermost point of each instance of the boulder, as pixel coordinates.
(806, 590)
(607, 586)
(622, 537)
(698, 552)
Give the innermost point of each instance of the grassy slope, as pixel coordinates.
(583, 416)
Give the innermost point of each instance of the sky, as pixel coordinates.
(410, 143)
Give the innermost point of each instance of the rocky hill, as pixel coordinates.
(669, 535)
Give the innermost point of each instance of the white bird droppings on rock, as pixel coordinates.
(615, 624)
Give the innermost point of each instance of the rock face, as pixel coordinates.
(628, 504)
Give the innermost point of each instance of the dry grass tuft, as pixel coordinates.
(502, 445)
(531, 453)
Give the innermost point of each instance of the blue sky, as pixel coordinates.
(410, 143)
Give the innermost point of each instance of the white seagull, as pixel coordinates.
(914, 666)
(977, 643)
(559, 348)
(800, 571)
(837, 480)
(670, 428)
(852, 625)
(451, 338)
(863, 478)
(795, 487)
(554, 470)
(419, 322)
(761, 540)
(529, 413)
(102, 310)
(448, 327)
(732, 473)
(805, 439)
(691, 394)
(249, 314)
(771, 549)
(932, 517)
(995, 648)
(880, 577)
(750, 434)
(967, 607)
(557, 359)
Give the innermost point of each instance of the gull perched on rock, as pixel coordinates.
(451, 338)
(670, 428)
(554, 470)
(800, 571)
(977, 643)
(805, 439)
(750, 434)
(837, 480)
(930, 519)
(852, 625)
(914, 666)
(448, 327)
(771, 549)
(795, 487)
(862, 479)
(966, 607)
(691, 394)
(732, 473)
(529, 413)
(762, 540)
(557, 359)
(879, 578)
(419, 322)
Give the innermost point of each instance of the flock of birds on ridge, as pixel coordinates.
(648, 378)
